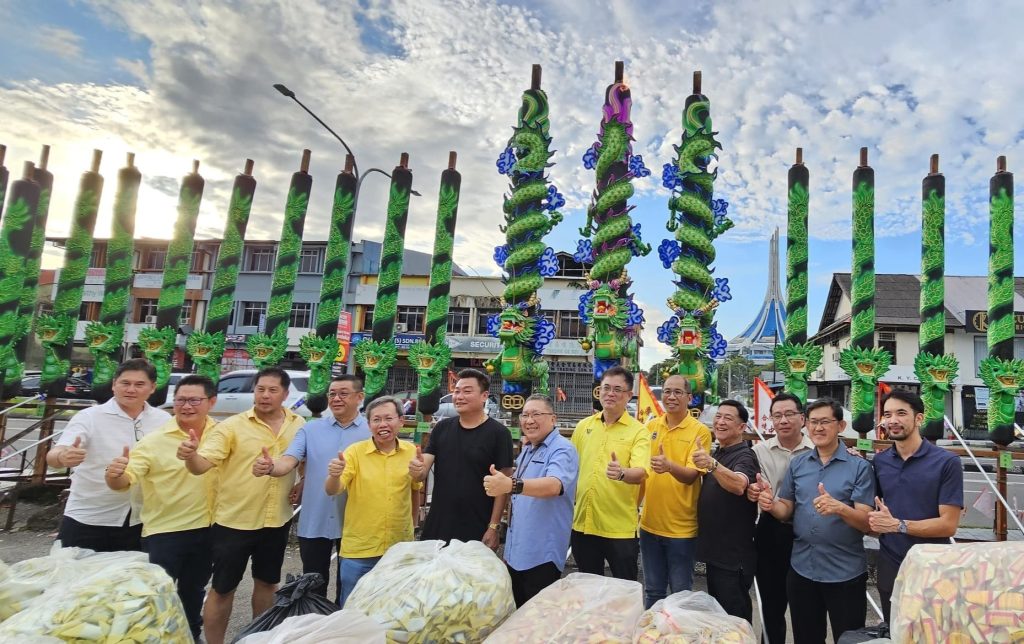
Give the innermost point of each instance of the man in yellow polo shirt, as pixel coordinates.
(615, 458)
(177, 508)
(382, 496)
(252, 515)
(668, 523)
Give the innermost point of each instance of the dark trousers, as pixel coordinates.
(315, 553)
(774, 542)
(590, 552)
(731, 589)
(844, 602)
(887, 571)
(187, 559)
(527, 583)
(101, 538)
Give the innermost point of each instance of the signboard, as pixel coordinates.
(977, 322)
(156, 280)
(344, 336)
(235, 337)
(479, 344)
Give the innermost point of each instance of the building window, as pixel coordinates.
(570, 325)
(98, 257)
(481, 320)
(185, 317)
(252, 312)
(887, 341)
(412, 317)
(302, 315)
(147, 311)
(367, 318)
(981, 351)
(259, 259)
(569, 267)
(89, 311)
(311, 260)
(155, 259)
(200, 261)
(458, 321)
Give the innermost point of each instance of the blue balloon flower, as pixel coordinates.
(543, 334)
(667, 329)
(696, 400)
(554, 200)
(506, 161)
(493, 324)
(717, 345)
(720, 208)
(721, 291)
(635, 315)
(512, 388)
(670, 176)
(637, 167)
(584, 251)
(547, 264)
(668, 251)
(500, 255)
(582, 306)
(590, 158)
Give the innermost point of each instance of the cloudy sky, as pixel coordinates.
(183, 80)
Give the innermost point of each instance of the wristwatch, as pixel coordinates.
(902, 528)
(493, 526)
(622, 475)
(517, 486)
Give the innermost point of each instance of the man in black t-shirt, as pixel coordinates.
(462, 451)
(725, 517)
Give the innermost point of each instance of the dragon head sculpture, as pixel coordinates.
(375, 358)
(104, 338)
(267, 350)
(690, 341)
(605, 308)
(317, 351)
(429, 360)
(936, 371)
(1002, 376)
(55, 330)
(515, 326)
(157, 343)
(865, 365)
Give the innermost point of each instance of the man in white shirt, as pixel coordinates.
(95, 516)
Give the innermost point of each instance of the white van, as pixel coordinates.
(234, 392)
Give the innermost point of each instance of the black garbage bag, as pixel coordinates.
(296, 597)
(871, 633)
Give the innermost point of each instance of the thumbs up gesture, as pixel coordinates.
(264, 464)
(496, 483)
(615, 471)
(701, 458)
(117, 466)
(74, 455)
(660, 463)
(189, 446)
(881, 520)
(417, 468)
(754, 489)
(825, 504)
(337, 465)
(766, 497)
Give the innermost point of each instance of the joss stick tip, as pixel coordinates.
(619, 70)
(535, 80)
(29, 171)
(1001, 163)
(403, 161)
(247, 171)
(452, 155)
(304, 166)
(933, 164)
(799, 156)
(863, 157)
(97, 156)
(696, 82)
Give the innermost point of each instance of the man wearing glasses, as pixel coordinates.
(177, 508)
(95, 516)
(668, 525)
(542, 489)
(316, 443)
(828, 494)
(774, 540)
(615, 458)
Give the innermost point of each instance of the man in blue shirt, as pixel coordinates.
(921, 488)
(316, 443)
(543, 488)
(828, 494)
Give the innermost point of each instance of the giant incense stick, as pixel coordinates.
(15, 239)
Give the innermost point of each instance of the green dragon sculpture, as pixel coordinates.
(319, 354)
(429, 360)
(54, 333)
(266, 350)
(206, 350)
(515, 363)
(103, 341)
(15, 239)
(1004, 378)
(608, 314)
(797, 362)
(1000, 371)
(865, 367)
(375, 358)
(936, 374)
(157, 344)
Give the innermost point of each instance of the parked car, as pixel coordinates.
(76, 388)
(235, 392)
(172, 382)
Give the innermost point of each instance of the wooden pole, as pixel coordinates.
(39, 471)
(1000, 522)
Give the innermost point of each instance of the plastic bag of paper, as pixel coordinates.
(689, 617)
(579, 608)
(23, 581)
(960, 593)
(296, 597)
(426, 592)
(126, 600)
(342, 627)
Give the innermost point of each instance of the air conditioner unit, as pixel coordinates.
(401, 327)
(150, 319)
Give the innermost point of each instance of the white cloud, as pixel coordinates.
(57, 40)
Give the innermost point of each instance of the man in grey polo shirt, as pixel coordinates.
(828, 494)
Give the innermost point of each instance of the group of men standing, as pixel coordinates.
(214, 497)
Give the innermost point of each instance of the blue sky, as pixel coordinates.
(176, 81)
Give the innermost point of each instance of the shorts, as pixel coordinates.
(232, 549)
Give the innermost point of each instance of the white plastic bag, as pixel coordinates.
(126, 600)
(343, 627)
(422, 591)
(579, 608)
(689, 617)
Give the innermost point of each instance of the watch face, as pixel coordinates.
(902, 527)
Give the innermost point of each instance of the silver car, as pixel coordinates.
(235, 392)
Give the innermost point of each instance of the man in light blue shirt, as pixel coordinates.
(315, 444)
(543, 488)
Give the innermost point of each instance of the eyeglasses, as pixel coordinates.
(618, 391)
(193, 402)
(383, 420)
(820, 422)
(677, 393)
(534, 414)
(789, 415)
(137, 426)
(341, 395)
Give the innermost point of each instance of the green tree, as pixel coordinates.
(655, 375)
(738, 370)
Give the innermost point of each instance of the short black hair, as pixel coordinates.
(357, 382)
(276, 372)
(137, 364)
(209, 388)
(911, 399)
(544, 399)
(837, 409)
(785, 395)
(741, 411)
(383, 400)
(619, 370)
(479, 376)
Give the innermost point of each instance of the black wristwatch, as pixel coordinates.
(517, 486)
